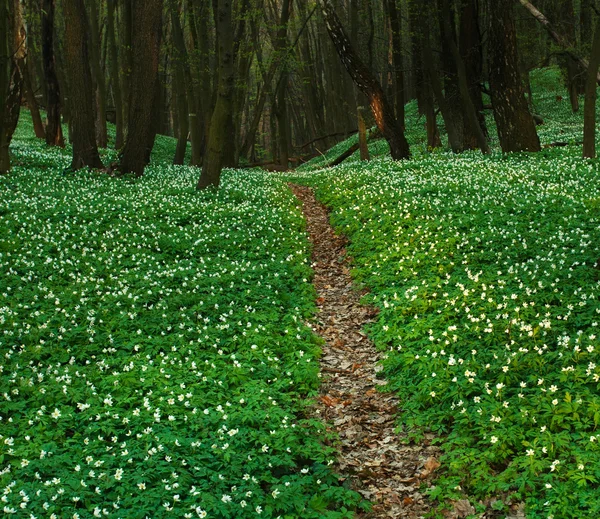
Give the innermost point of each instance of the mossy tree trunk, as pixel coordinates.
(516, 128)
(143, 89)
(54, 134)
(81, 100)
(213, 162)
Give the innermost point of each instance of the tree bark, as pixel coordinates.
(114, 73)
(516, 128)
(143, 90)
(362, 135)
(396, 28)
(98, 76)
(54, 134)
(77, 58)
(11, 97)
(589, 110)
(32, 104)
(463, 83)
(196, 121)
(213, 162)
(471, 51)
(364, 80)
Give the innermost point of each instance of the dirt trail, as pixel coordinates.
(380, 466)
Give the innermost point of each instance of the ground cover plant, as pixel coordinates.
(485, 272)
(154, 357)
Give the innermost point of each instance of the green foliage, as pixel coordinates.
(484, 270)
(155, 361)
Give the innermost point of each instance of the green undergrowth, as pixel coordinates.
(154, 357)
(561, 125)
(485, 272)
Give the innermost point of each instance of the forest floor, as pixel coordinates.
(382, 466)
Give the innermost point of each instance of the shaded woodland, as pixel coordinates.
(273, 83)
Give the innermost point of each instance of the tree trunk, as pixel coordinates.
(98, 76)
(463, 83)
(423, 88)
(77, 58)
(589, 110)
(453, 124)
(196, 121)
(516, 128)
(11, 98)
(145, 47)
(364, 80)
(32, 104)
(362, 135)
(396, 28)
(5, 66)
(471, 51)
(114, 73)
(211, 168)
(54, 134)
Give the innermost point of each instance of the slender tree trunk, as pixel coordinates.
(452, 123)
(281, 108)
(362, 77)
(114, 73)
(471, 51)
(98, 76)
(589, 110)
(213, 163)
(145, 47)
(125, 38)
(196, 121)
(423, 88)
(54, 135)
(463, 83)
(77, 57)
(32, 104)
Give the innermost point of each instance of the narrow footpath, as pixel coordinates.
(379, 464)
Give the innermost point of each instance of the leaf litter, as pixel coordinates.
(375, 459)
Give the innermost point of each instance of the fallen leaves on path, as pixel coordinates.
(377, 461)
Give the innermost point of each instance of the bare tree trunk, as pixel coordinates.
(98, 76)
(364, 80)
(32, 104)
(589, 110)
(145, 47)
(54, 135)
(196, 121)
(516, 128)
(463, 83)
(11, 105)
(213, 162)
(471, 51)
(114, 73)
(396, 28)
(5, 66)
(83, 136)
(362, 135)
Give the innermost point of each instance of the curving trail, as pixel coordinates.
(379, 465)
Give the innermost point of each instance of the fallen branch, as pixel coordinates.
(374, 135)
(330, 136)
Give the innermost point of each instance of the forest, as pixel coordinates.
(299, 259)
